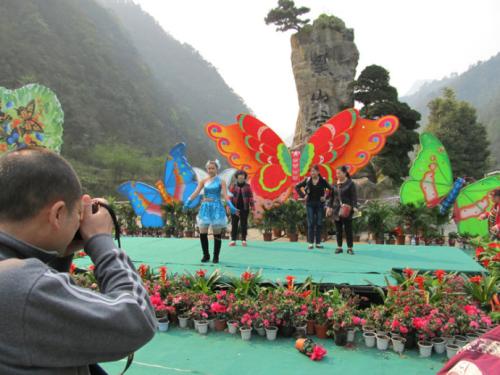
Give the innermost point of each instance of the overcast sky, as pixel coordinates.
(414, 40)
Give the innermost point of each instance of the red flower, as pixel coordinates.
(494, 245)
(91, 267)
(72, 268)
(143, 270)
(393, 288)
(479, 251)
(163, 274)
(290, 280)
(318, 353)
(247, 276)
(476, 279)
(408, 272)
(471, 310)
(486, 262)
(440, 274)
(81, 254)
(201, 273)
(305, 294)
(496, 258)
(420, 281)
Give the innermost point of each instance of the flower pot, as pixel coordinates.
(391, 241)
(246, 333)
(460, 340)
(351, 335)
(220, 325)
(451, 242)
(340, 337)
(425, 348)
(320, 330)
(211, 324)
(379, 241)
(439, 345)
(202, 327)
(472, 336)
(163, 324)
(261, 331)
(271, 333)
(276, 232)
(287, 331)
(301, 330)
(172, 317)
(267, 236)
(382, 342)
(398, 344)
(183, 321)
(369, 339)
(293, 237)
(410, 340)
(448, 340)
(368, 328)
(400, 240)
(188, 233)
(451, 350)
(232, 326)
(310, 327)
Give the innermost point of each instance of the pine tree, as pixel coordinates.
(286, 16)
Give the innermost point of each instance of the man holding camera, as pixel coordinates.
(48, 325)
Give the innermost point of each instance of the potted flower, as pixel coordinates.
(199, 313)
(246, 326)
(258, 324)
(340, 318)
(376, 216)
(189, 222)
(400, 235)
(269, 315)
(309, 348)
(161, 311)
(219, 309)
(299, 319)
(321, 319)
(294, 212)
(266, 225)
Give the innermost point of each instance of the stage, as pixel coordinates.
(184, 351)
(370, 264)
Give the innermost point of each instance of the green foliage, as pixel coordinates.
(455, 123)
(376, 216)
(480, 86)
(108, 87)
(482, 291)
(329, 21)
(293, 213)
(379, 98)
(286, 16)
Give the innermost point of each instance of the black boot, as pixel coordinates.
(217, 245)
(204, 247)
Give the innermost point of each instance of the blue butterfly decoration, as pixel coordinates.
(179, 182)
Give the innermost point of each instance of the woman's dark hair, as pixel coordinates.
(241, 172)
(344, 169)
(315, 167)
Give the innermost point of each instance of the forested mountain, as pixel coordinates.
(120, 117)
(480, 86)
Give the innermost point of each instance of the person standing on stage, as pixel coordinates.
(341, 204)
(313, 189)
(212, 213)
(242, 198)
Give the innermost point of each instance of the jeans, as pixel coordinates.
(315, 212)
(347, 225)
(242, 220)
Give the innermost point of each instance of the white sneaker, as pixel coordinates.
(310, 247)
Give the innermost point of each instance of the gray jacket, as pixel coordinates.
(48, 325)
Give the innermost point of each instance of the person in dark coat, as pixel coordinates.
(242, 199)
(313, 189)
(341, 205)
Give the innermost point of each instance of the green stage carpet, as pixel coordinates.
(186, 352)
(278, 259)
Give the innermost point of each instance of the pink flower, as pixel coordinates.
(474, 324)
(486, 320)
(471, 310)
(318, 353)
(403, 329)
(356, 320)
(395, 324)
(329, 313)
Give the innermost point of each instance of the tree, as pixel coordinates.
(455, 123)
(286, 16)
(379, 98)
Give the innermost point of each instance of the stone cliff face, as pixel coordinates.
(324, 61)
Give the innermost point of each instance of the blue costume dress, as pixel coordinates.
(212, 212)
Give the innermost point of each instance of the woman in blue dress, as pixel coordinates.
(212, 213)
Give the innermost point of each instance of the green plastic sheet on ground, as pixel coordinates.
(278, 259)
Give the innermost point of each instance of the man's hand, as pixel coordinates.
(93, 224)
(329, 211)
